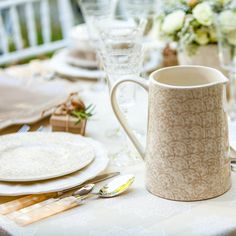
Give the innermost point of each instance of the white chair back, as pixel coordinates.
(35, 18)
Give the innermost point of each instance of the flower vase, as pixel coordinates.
(206, 55)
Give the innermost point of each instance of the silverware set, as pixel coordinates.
(112, 189)
(36, 198)
(32, 208)
(25, 128)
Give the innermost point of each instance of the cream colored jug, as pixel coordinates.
(187, 137)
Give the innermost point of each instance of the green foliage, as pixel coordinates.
(83, 114)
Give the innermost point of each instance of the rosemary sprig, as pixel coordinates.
(83, 114)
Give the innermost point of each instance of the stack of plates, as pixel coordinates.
(66, 64)
(40, 162)
(79, 59)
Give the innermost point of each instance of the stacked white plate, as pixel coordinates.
(40, 162)
(67, 65)
(78, 60)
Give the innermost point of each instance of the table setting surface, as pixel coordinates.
(124, 124)
(137, 212)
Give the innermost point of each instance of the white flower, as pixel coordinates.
(201, 37)
(227, 20)
(231, 37)
(173, 22)
(203, 13)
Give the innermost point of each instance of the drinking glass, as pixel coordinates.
(121, 53)
(141, 8)
(93, 10)
(227, 54)
(147, 9)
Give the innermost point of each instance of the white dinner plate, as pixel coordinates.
(38, 156)
(53, 185)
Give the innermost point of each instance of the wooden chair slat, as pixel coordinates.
(45, 20)
(32, 51)
(30, 21)
(40, 20)
(17, 37)
(66, 16)
(8, 3)
(3, 36)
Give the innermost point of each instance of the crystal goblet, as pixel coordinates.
(227, 55)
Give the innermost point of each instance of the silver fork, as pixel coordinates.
(24, 129)
(40, 129)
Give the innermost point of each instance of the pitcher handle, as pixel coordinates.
(121, 118)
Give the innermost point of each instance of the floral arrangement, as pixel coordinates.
(191, 23)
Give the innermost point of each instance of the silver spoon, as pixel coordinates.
(114, 188)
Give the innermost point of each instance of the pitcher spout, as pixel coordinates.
(188, 77)
(223, 79)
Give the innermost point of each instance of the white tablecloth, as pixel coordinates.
(136, 212)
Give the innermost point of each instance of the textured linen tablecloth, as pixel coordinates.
(136, 212)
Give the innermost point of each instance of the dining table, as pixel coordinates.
(136, 212)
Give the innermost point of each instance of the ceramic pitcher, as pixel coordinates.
(187, 136)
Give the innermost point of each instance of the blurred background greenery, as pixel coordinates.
(54, 21)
